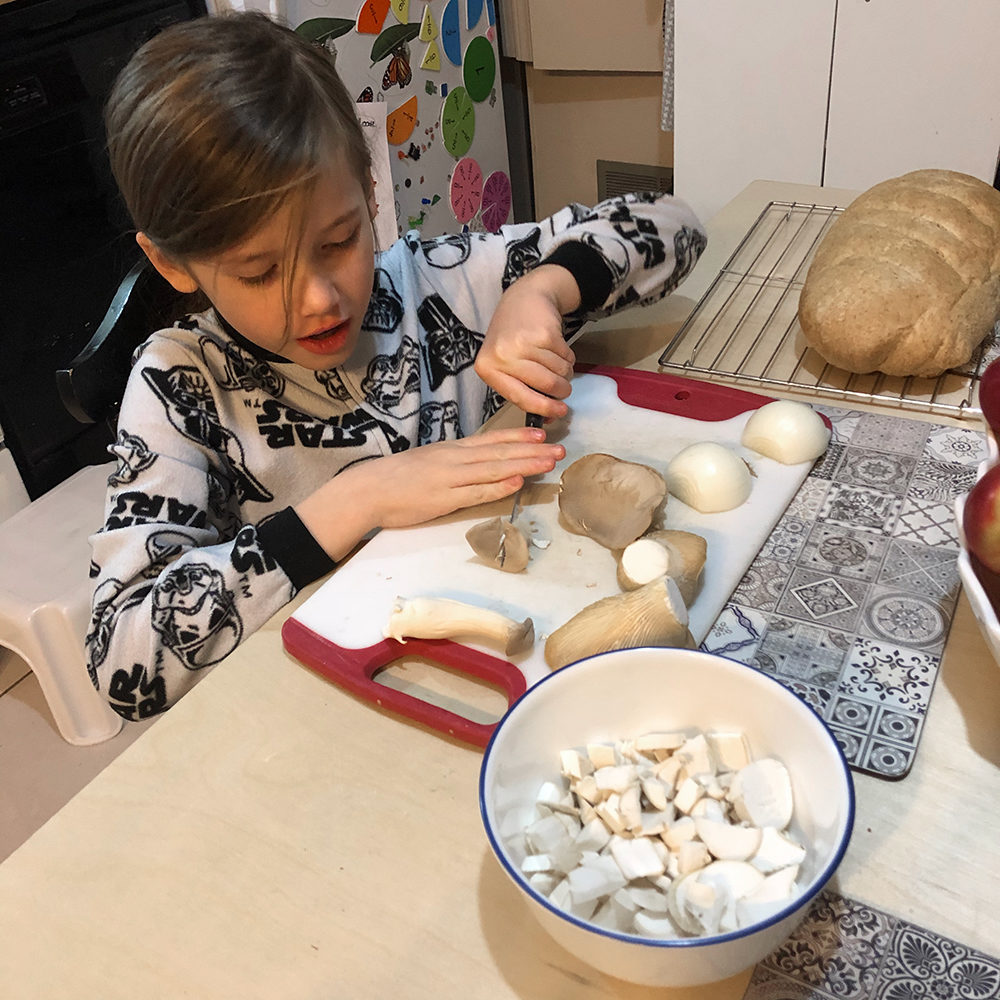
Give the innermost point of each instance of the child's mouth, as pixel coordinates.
(328, 341)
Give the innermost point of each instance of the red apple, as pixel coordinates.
(989, 397)
(981, 519)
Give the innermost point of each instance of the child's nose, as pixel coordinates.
(319, 293)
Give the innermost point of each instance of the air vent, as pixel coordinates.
(615, 178)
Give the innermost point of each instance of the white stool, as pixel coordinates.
(45, 592)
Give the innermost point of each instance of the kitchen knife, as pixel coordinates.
(531, 420)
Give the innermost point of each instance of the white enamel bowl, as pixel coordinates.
(627, 693)
(978, 599)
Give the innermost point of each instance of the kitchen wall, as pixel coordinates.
(594, 76)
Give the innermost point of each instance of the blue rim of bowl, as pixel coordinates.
(689, 942)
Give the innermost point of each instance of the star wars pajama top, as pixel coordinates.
(218, 438)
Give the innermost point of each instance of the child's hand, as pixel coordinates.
(414, 486)
(524, 356)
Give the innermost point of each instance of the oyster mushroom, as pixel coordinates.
(677, 554)
(652, 615)
(609, 499)
(499, 543)
(441, 618)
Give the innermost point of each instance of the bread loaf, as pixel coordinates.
(907, 280)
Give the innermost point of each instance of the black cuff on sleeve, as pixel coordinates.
(591, 273)
(289, 541)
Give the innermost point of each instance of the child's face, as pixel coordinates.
(332, 284)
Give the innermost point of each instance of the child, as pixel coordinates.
(329, 389)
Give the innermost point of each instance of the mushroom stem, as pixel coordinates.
(678, 554)
(652, 615)
(441, 618)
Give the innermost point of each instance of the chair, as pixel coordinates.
(45, 587)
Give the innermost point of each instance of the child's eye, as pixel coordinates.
(348, 241)
(259, 279)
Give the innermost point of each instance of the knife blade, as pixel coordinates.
(531, 420)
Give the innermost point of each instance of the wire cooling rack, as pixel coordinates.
(745, 328)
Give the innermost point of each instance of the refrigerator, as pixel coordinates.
(425, 75)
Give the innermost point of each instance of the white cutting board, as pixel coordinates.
(352, 608)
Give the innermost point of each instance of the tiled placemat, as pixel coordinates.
(851, 598)
(844, 950)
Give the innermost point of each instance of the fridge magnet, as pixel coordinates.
(399, 124)
(496, 200)
(428, 29)
(324, 29)
(390, 40)
(451, 33)
(479, 68)
(372, 16)
(398, 71)
(432, 57)
(473, 12)
(401, 8)
(491, 14)
(458, 122)
(466, 189)
(430, 87)
(366, 96)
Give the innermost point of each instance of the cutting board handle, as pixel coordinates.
(355, 670)
(674, 394)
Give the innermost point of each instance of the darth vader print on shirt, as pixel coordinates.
(522, 256)
(450, 347)
(385, 307)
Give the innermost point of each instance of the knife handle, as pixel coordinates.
(534, 420)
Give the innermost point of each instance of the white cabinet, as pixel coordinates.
(914, 84)
(843, 93)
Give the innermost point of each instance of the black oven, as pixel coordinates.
(64, 234)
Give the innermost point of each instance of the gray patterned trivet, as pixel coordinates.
(845, 950)
(850, 600)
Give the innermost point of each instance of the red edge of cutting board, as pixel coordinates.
(355, 669)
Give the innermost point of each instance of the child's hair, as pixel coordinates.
(214, 123)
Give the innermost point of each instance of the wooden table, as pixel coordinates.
(273, 837)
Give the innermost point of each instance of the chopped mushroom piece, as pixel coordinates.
(629, 866)
(499, 543)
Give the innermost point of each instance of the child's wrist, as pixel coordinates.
(339, 514)
(558, 283)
